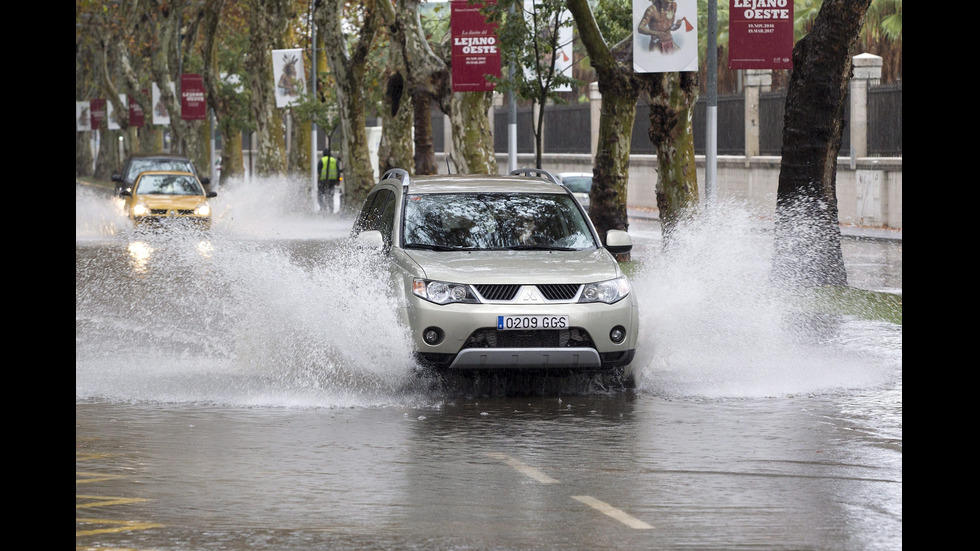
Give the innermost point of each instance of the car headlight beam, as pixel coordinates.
(203, 209)
(139, 209)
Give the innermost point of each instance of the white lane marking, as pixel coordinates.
(523, 469)
(613, 512)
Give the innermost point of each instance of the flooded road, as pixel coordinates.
(252, 389)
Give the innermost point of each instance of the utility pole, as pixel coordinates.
(711, 133)
(313, 144)
(511, 119)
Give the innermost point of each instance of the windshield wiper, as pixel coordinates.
(538, 248)
(431, 247)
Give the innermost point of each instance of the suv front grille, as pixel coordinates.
(559, 291)
(555, 291)
(575, 337)
(498, 292)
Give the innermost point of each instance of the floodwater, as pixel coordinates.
(251, 388)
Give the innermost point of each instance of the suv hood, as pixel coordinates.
(517, 267)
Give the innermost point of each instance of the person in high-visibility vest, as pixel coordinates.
(330, 174)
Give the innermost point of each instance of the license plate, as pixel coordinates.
(531, 322)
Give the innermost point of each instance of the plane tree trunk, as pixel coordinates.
(807, 233)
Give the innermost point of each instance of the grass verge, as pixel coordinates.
(838, 300)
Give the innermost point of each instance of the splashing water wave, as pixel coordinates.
(714, 326)
(274, 308)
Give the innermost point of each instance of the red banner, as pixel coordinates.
(760, 34)
(192, 98)
(136, 112)
(97, 111)
(475, 52)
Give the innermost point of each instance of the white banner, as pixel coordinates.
(563, 55)
(83, 117)
(110, 112)
(666, 36)
(160, 114)
(290, 77)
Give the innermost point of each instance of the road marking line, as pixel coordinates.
(524, 469)
(613, 512)
(88, 477)
(105, 501)
(120, 526)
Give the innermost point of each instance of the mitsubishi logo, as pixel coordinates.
(530, 294)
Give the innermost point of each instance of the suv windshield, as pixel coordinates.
(494, 221)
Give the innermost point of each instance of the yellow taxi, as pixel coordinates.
(161, 196)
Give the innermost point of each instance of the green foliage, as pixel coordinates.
(614, 18)
(528, 40)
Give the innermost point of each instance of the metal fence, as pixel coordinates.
(568, 127)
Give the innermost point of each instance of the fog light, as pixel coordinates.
(617, 334)
(432, 335)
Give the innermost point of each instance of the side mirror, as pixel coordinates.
(205, 180)
(618, 242)
(212, 194)
(370, 239)
(116, 177)
(125, 193)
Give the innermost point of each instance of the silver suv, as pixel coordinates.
(502, 272)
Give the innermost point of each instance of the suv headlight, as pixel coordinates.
(609, 291)
(441, 292)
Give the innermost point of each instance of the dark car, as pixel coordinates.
(143, 162)
(580, 183)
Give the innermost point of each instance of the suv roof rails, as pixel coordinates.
(535, 172)
(399, 174)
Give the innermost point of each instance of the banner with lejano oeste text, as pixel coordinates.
(760, 34)
(193, 106)
(287, 67)
(97, 112)
(475, 51)
(665, 37)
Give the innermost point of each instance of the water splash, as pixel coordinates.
(296, 319)
(713, 325)
(271, 308)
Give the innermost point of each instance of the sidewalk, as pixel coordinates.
(847, 230)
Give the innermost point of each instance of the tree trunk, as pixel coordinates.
(473, 149)
(807, 237)
(396, 149)
(267, 20)
(672, 97)
(348, 69)
(83, 153)
(620, 90)
(426, 75)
